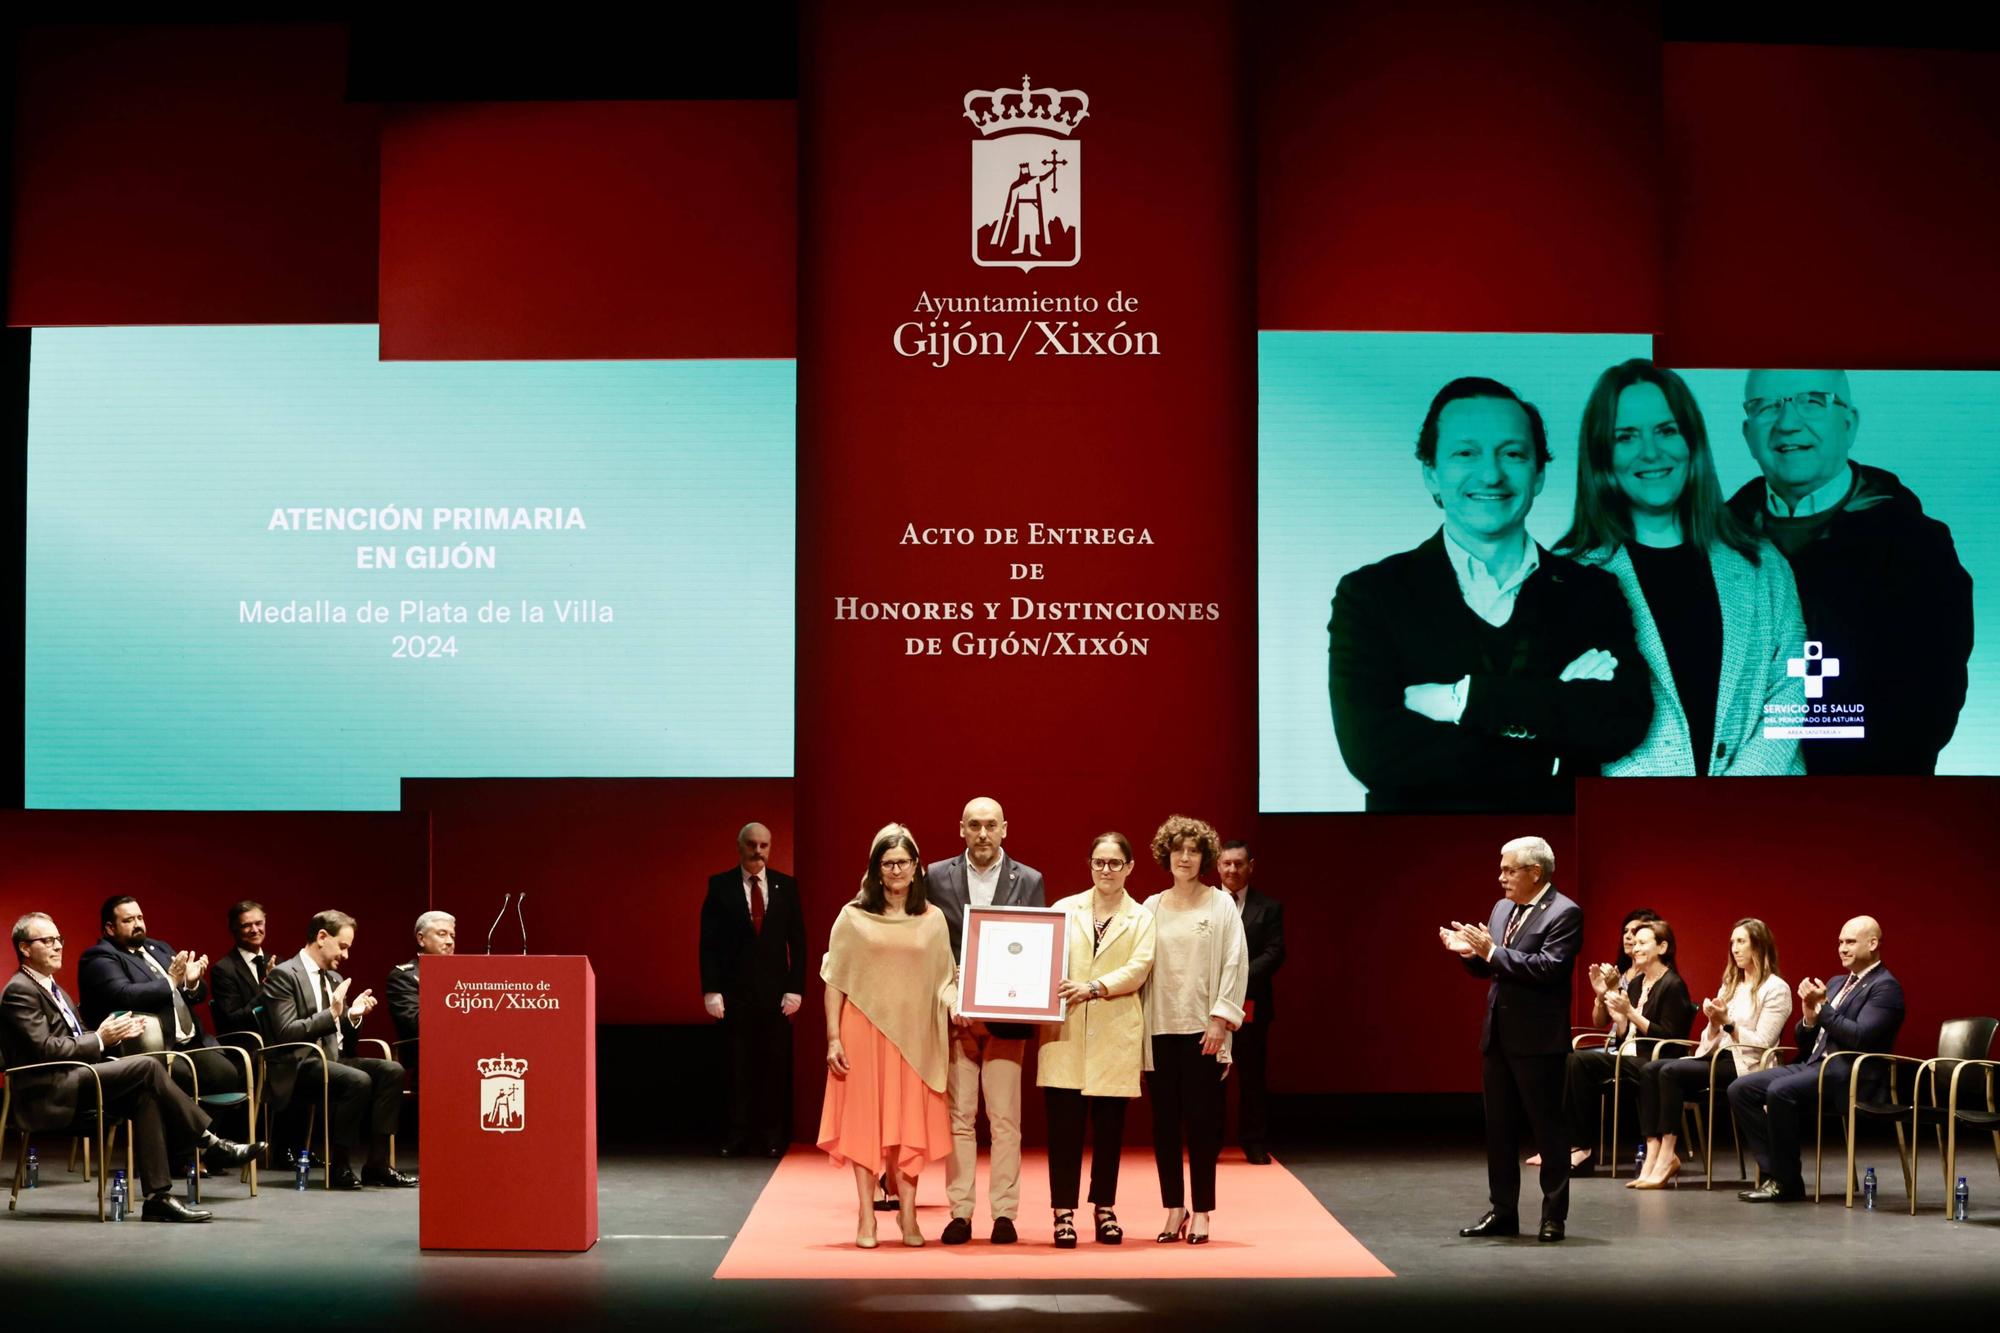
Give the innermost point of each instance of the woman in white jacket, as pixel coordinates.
(1194, 1002)
(1746, 1017)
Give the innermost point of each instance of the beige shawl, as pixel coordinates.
(899, 972)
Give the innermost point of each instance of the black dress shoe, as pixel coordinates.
(166, 1208)
(1256, 1157)
(957, 1231)
(388, 1177)
(1772, 1192)
(1003, 1231)
(222, 1153)
(345, 1179)
(1492, 1225)
(1551, 1231)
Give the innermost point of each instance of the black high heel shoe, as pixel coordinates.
(1108, 1230)
(1065, 1228)
(1178, 1233)
(888, 1202)
(1193, 1238)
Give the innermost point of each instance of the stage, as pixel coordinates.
(669, 1221)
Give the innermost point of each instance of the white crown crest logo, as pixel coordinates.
(503, 1066)
(1051, 110)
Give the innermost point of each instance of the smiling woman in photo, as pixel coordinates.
(1714, 607)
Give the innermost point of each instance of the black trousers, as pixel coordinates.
(1252, 1049)
(1774, 1107)
(1525, 1088)
(1068, 1109)
(166, 1124)
(365, 1100)
(759, 1037)
(1588, 1073)
(1187, 1107)
(1666, 1085)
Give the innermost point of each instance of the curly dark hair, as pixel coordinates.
(1179, 829)
(872, 897)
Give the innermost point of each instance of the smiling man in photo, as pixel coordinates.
(1480, 671)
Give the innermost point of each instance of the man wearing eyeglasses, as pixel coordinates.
(1879, 581)
(753, 975)
(39, 1024)
(982, 1055)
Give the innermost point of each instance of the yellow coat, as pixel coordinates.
(1101, 1043)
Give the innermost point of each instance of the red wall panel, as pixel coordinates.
(187, 868)
(588, 230)
(191, 175)
(615, 868)
(1830, 206)
(1457, 166)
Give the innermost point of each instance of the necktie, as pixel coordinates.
(757, 904)
(261, 964)
(1514, 924)
(1820, 1043)
(325, 991)
(69, 1014)
(183, 1019)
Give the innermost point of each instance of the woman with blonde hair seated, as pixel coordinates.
(1747, 1016)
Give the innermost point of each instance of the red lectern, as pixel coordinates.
(508, 1096)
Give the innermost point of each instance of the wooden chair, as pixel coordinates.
(323, 1112)
(21, 1162)
(392, 1050)
(1963, 1044)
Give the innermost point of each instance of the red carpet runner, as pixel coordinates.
(1267, 1225)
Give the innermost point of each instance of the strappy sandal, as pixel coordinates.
(1108, 1230)
(1065, 1229)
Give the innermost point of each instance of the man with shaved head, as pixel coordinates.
(1861, 1011)
(982, 1056)
(1886, 602)
(753, 976)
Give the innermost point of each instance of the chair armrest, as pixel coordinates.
(7, 1088)
(1951, 1105)
(387, 1054)
(1665, 1042)
(251, 1033)
(1861, 1058)
(1602, 1038)
(1767, 1057)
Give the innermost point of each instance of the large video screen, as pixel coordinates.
(1811, 611)
(266, 570)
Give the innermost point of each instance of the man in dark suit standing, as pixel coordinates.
(753, 979)
(983, 1056)
(39, 1024)
(1264, 929)
(306, 1000)
(1528, 948)
(437, 935)
(1862, 1011)
(1480, 671)
(238, 975)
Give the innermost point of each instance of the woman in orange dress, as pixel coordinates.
(890, 988)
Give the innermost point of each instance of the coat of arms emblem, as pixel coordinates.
(503, 1095)
(1027, 176)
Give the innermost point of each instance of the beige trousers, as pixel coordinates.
(979, 1061)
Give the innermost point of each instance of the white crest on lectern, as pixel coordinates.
(1027, 176)
(503, 1094)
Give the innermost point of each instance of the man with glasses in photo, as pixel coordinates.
(1884, 595)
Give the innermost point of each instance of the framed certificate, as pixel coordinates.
(1014, 959)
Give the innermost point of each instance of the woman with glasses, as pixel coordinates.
(1089, 1067)
(1746, 1017)
(890, 988)
(1714, 608)
(1194, 1002)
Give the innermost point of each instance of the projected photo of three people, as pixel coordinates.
(1670, 631)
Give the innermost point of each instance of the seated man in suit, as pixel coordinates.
(1479, 671)
(128, 971)
(1861, 1011)
(437, 933)
(238, 976)
(753, 979)
(38, 1024)
(305, 999)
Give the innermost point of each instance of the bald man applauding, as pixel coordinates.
(1856, 1013)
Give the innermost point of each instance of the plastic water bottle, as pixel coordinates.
(1639, 1162)
(119, 1195)
(1961, 1198)
(302, 1170)
(193, 1181)
(34, 1170)
(1868, 1190)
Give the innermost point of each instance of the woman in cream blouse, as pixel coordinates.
(1747, 1016)
(1194, 1002)
(1090, 1065)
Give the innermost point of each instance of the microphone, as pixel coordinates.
(496, 921)
(520, 920)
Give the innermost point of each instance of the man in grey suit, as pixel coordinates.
(306, 1000)
(982, 1056)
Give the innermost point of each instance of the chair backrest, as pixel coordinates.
(1966, 1038)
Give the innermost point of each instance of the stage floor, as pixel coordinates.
(669, 1220)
